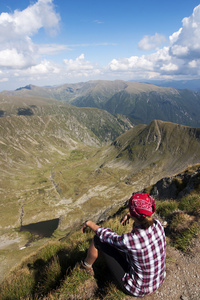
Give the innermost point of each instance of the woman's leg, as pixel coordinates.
(92, 254)
(115, 260)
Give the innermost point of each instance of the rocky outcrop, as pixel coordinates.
(176, 186)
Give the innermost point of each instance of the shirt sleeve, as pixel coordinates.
(106, 235)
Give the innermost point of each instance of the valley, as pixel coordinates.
(66, 163)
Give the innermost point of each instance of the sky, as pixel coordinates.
(53, 42)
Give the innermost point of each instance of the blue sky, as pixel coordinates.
(52, 42)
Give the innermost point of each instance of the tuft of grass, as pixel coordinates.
(50, 277)
(77, 285)
(113, 293)
(183, 239)
(17, 286)
(165, 208)
(190, 204)
(183, 220)
(179, 221)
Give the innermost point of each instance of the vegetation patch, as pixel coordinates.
(183, 219)
(165, 208)
(190, 204)
(22, 111)
(2, 112)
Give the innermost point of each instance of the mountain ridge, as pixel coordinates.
(68, 163)
(140, 102)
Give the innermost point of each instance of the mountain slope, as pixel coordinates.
(37, 134)
(155, 151)
(55, 164)
(141, 102)
(175, 106)
(105, 126)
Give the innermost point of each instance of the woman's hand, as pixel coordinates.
(125, 219)
(83, 229)
(90, 224)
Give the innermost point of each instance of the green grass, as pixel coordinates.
(190, 204)
(54, 272)
(18, 285)
(183, 239)
(165, 208)
(183, 217)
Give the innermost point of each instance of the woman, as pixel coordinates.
(136, 259)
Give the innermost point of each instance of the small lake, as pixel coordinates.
(41, 229)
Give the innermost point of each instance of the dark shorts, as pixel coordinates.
(116, 261)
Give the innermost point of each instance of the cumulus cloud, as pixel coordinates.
(181, 57)
(151, 42)
(187, 42)
(21, 58)
(16, 29)
(80, 67)
(45, 67)
(29, 21)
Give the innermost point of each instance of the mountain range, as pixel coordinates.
(68, 163)
(192, 84)
(57, 158)
(140, 102)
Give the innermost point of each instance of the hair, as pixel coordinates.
(146, 222)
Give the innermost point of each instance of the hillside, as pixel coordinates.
(141, 102)
(36, 135)
(53, 271)
(155, 151)
(59, 165)
(105, 126)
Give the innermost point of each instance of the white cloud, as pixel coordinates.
(169, 67)
(4, 79)
(22, 59)
(151, 42)
(51, 49)
(180, 58)
(174, 37)
(29, 21)
(16, 47)
(13, 59)
(131, 63)
(179, 50)
(80, 67)
(45, 67)
(98, 22)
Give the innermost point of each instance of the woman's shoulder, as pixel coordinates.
(158, 225)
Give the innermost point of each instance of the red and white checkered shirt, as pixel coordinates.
(145, 252)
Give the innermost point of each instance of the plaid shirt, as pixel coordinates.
(145, 252)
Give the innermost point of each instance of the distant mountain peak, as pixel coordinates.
(140, 102)
(27, 87)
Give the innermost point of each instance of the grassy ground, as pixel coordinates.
(53, 272)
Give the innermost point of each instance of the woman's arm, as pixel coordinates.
(91, 225)
(125, 219)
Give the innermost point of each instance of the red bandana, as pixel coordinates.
(141, 205)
